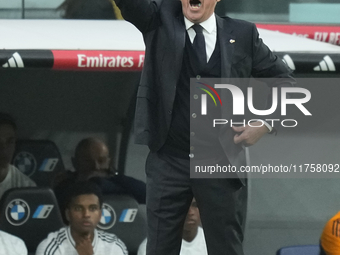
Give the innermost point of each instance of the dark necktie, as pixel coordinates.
(199, 45)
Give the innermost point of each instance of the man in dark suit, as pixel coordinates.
(232, 49)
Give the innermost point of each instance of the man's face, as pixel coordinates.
(192, 221)
(7, 144)
(83, 214)
(92, 161)
(198, 11)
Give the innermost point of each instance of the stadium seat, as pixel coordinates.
(299, 250)
(122, 217)
(38, 159)
(30, 213)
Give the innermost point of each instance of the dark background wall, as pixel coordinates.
(66, 106)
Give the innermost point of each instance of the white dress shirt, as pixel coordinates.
(209, 32)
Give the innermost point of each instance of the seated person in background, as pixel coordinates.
(92, 162)
(10, 176)
(11, 245)
(83, 213)
(193, 241)
(330, 237)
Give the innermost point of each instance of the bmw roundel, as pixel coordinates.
(108, 218)
(17, 212)
(25, 162)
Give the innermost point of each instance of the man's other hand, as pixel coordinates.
(84, 247)
(249, 135)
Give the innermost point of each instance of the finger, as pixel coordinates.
(238, 138)
(238, 129)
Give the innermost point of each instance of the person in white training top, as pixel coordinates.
(10, 176)
(83, 212)
(11, 245)
(193, 241)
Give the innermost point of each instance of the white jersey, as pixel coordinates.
(15, 179)
(61, 243)
(11, 245)
(195, 247)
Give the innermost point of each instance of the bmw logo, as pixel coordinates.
(25, 162)
(17, 212)
(108, 218)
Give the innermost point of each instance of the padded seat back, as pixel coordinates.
(30, 213)
(122, 217)
(38, 159)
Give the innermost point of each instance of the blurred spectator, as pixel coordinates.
(10, 176)
(11, 245)
(83, 212)
(330, 237)
(92, 162)
(193, 241)
(91, 159)
(88, 9)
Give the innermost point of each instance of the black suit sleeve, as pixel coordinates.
(141, 13)
(270, 69)
(265, 63)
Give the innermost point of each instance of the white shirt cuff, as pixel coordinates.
(270, 128)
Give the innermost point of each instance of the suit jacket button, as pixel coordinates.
(191, 155)
(194, 115)
(170, 112)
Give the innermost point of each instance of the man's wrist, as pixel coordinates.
(271, 130)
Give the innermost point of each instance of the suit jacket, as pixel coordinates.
(162, 25)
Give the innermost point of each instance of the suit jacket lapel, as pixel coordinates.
(224, 35)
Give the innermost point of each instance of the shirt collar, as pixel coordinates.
(209, 25)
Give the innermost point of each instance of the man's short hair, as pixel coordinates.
(83, 188)
(6, 119)
(84, 144)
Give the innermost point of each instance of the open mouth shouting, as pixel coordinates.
(198, 11)
(195, 4)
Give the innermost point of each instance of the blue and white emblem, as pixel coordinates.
(108, 218)
(17, 212)
(25, 162)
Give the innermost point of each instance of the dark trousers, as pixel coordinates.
(221, 202)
